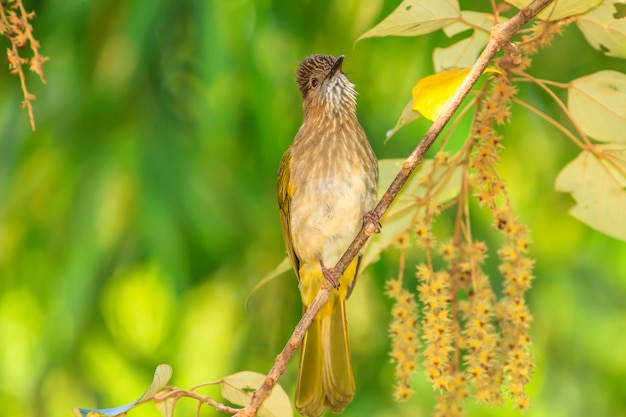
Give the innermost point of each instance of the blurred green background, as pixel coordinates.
(137, 219)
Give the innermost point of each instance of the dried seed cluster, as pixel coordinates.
(15, 26)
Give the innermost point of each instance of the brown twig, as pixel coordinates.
(176, 394)
(500, 36)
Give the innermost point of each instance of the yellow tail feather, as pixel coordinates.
(325, 378)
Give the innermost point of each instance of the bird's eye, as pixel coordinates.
(314, 82)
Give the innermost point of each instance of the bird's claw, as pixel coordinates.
(374, 219)
(330, 275)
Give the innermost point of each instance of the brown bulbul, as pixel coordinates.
(326, 185)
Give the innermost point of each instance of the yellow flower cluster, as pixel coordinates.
(404, 339)
(541, 36)
(450, 405)
(438, 328)
(481, 340)
(504, 356)
(474, 341)
(512, 313)
(15, 26)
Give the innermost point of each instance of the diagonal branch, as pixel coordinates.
(500, 36)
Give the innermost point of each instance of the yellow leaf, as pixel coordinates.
(560, 9)
(416, 17)
(598, 104)
(599, 189)
(238, 389)
(604, 30)
(431, 93)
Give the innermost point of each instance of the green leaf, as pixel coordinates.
(599, 188)
(406, 117)
(598, 104)
(416, 17)
(401, 214)
(560, 9)
(162, 375)
(281, 268)
(238, 389)
(463, 53)
(604, 29)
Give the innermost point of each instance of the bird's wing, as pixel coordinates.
(285, 191)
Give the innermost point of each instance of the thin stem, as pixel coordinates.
(550, 120)
(560, 103)
(176, 393)
(496, 14)
(473, 25)
(546, 82)
(612, 160)
(402, 263)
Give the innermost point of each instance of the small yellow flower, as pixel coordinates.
(406, 298)
(485, 152)
(478, 251)
(482, 130)
(408, 366)
(522, 403)
(523, 340)
(522, 244)
(402, 392)
(408, 337)
(502, 115)
(516, 389)
(421, 230)
(483, 395)
(399, 311)
(395, 328)
(505, 90)
(484, 197)
(441, 158)
(441, 383)
(433, 373)
(508, 253)
(393, 287)
(423, 272)
(448, 251)
(512, 228)
(497, 187)
(397, 356)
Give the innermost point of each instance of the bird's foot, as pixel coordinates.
(330, 274)
(373, 219)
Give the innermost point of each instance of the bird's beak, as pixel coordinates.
(336, 67)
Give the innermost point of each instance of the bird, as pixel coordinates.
(326, 188)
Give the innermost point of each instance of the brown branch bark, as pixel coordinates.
(501, 35)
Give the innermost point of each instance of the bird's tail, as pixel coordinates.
(325, 378)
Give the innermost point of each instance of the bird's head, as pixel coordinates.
(324, 86)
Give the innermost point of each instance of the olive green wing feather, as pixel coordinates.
(285, 192)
